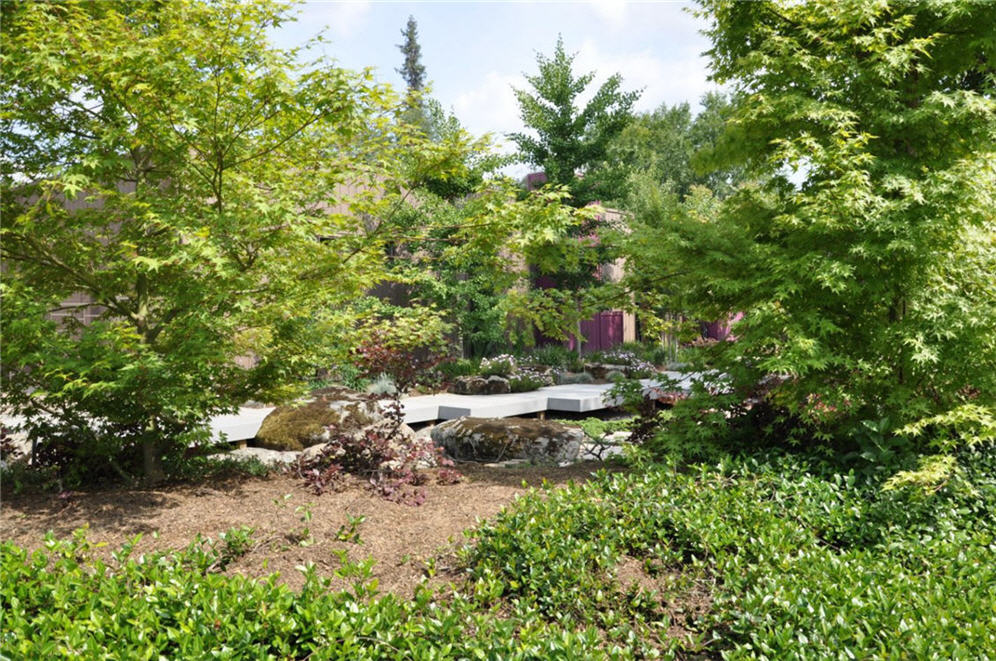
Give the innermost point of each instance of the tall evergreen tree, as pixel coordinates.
(412, 70)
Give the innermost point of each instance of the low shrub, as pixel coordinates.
(778, 555)
(346, 375)
(451, 369)
(557, 356)
(525, 379)
(636, 366)
(800, 558)
(501, 365)
(66, 601)
(405, 348)
(388, 460)
(568, 378)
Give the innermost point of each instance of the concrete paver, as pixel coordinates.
(576, 398)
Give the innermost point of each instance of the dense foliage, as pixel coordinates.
(862, 257)
(175, 169)
(564, 139)
(206, 214)
(766, 557)
(799, 559)
(63, 602)
(671, 146)
(471, 261)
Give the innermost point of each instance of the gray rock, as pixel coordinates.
(267, 457)
(501, 439)
(497, 385)
(404, 443)
(600, 370)
(469, 385)
(478, 385)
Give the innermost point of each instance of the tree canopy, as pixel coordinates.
(567, 139)
(168, 163)
(671, 145)
(863, 256)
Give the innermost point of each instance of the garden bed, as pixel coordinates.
(407, 542)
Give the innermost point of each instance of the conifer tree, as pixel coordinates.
(412, 70)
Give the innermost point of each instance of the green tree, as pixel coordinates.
(470, 259)
(412, 70)
(866, 277)
(669, 144)
(568, 140)
(167, 162)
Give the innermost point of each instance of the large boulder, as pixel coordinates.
(497, 385)
(303, 424)
(499, 439)
(468, 385)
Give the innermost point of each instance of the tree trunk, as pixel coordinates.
(151, 463)
(577, 329)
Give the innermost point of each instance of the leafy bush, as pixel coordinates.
(65, 601)
(801, 558)
(345, 374)
(525, 379)
(382, 455)
(405, 347)
(451, 369)
(552, 355)
(501, 365)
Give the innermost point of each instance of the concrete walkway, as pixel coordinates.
(579, 398)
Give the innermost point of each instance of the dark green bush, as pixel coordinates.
(63, 602)
(808, 561)
(451, 369)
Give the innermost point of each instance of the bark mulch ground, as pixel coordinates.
(408, 543)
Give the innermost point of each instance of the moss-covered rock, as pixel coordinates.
(301, 425)
(498, 439)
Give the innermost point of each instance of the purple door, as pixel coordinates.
(603, 331)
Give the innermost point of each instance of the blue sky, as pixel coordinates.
(474, 52)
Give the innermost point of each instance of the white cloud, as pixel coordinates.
(491, 105)
(612, 11)
(672, 80)
(343, 17)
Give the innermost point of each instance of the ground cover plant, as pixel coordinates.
(774, 555)
(62, 602)
(798, 558)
